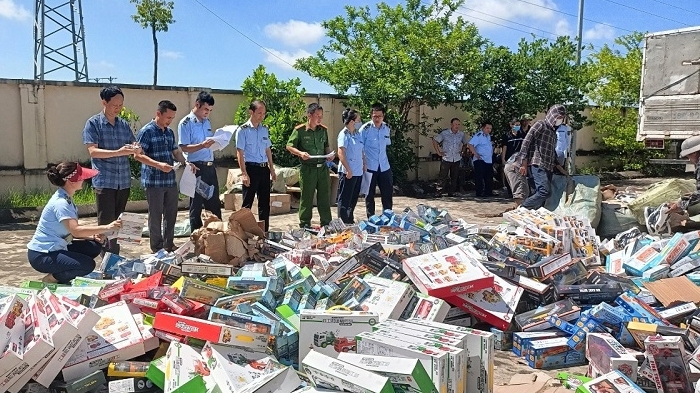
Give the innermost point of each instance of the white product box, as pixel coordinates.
(185, 370)
(12, 332)
(607, 354)
(436, 363)
(332, 332)
(388, 297)
(407, 375)
(480, 350)
(449, 272)
(114, 337)
(457, 356)
(81, 320)
(330, 373)
(430, 308)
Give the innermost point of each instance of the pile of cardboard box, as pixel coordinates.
(390, 304)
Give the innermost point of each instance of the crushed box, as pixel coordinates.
(332, 332)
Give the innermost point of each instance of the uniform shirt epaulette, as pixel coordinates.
(323, 125)
(246, 125)
(300, 125)
(186, 120)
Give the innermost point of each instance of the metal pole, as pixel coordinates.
(579, 38)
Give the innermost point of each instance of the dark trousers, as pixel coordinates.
(348, 193)
(65, 265)
(449, 183)
(260, 186)
(208, 175)
(540, 186)
(162, 208)
(110, 204)
(483, 178)
(385, 181)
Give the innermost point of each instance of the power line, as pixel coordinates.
(675, 6)
(646, 12)
(506, 26)
(507, 20)
(576, 16)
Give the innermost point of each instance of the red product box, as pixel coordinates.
(114, 289)
(210, 331)
(495, 306)
(130, 296)
(148, 303)
(177, 304)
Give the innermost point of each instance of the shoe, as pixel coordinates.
(49, 279)
(450, 194)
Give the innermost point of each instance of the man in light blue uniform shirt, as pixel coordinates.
(194, 131)
(376, 136)
(482, 149)
(254, 153)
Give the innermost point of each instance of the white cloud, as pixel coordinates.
(170, 54)
(481, 12)
(295, 33)
(103, 64)
(562, 28)
(10, 10)
(599, 32)
(284, 59)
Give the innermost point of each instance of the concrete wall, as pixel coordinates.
(43, 123)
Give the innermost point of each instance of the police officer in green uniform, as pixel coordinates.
(311, 139)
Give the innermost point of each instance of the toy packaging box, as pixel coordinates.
(480, 354)
(668, 365)
(495, 305)
(332, 332)
(12, 332)
(426, 333)
(330, 373)
(538, 319)
(405, 375)
(553, 353)
(457, 356)
(521, 338)
(449, 272)
(435, 362)
(388, 297)
(185, 370)
(209, 331)
(606, 354)
(81, 321)
(115, 336)
(612, 382)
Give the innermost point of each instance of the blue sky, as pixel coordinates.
(202, 50)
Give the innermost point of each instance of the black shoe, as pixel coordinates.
(450, 194)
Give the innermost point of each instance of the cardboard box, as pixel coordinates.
(210, 331)
(332, 332)
(279, 203)
(673, 290)
(156, 372)
(554, 353)
(611, 382)
(131, 385)
(329, 373)
(430, 308)
(457, 356)
(12, 332)
(213, 269)
(495, 306)
(520, 338)
(606, 354)
(116, 336)
(480, 350)
(81, 321)
(388, 297)
(435, 362)
(449, 272)
(405, 375)
(185, 370)
(666, 358)
(538, 319)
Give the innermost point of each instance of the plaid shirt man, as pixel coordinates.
(115, 172)
(157, 144)
(541, 141)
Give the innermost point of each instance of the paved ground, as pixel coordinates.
(15, 269)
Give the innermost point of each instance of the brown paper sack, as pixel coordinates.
(235, 248)
(198, 240)
(208, 217)
(215, 247)
(247, 222)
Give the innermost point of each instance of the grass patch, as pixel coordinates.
(37, 198)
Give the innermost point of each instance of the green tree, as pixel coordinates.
(156, 15)
(285, 109)
(404, 56)
(614, 89)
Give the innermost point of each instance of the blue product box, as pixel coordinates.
(522, 339)
(307, 302)
(554, 353)
(376, 220)
(561, 324)
(280, 267)
(291, 300)
(503, 340)
(247, 284)
(606, 313)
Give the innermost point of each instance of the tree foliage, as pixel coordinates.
(285, 109)
(614, 77)
(403, 56)
(156, 15)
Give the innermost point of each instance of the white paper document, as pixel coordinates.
(132, 228)
(366, 181)
(222, 137)
(188, 182)
(329, 155)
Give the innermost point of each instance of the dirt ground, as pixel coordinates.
(16, 269)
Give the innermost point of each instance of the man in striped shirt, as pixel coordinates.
(538, 156)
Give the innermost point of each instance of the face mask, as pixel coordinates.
(358, 125)
(516, 128)
(558, 122)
